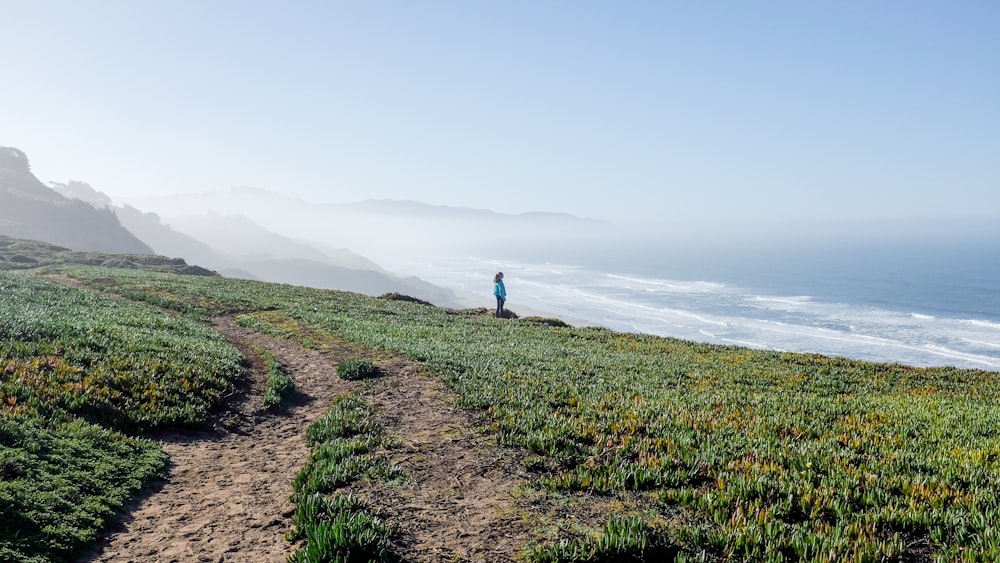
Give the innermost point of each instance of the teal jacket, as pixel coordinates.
(499, 290)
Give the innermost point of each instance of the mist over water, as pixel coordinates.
(935, 304)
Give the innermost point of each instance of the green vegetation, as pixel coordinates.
(623, 539)
(721, 452)
(68, 351)
(353, 369)
(544, 321)
(59, 483)
(277, 325)
(76, 370)
(278, 385)
(400, 297)
(20, 254)
(341, 527)
(700, 452)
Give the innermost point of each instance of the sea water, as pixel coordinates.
(930, 304)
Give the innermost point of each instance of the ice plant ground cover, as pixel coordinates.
(704, 451)
(688, 451)
(79, 370)
(76, 352)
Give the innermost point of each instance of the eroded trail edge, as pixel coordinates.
(227, 496)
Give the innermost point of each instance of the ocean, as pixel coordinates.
(926, 304)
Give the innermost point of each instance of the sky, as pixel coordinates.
(715, 113)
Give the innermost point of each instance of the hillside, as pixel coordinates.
(30, 210)
(238, 248)
(19, 254)
(453, 435)
(377, 228)
(77, 217)
(168, 242)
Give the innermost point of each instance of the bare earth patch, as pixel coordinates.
(228, 493)
(459, 505)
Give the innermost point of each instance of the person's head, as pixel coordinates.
(498, 277)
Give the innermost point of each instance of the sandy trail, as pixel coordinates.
(227, 495)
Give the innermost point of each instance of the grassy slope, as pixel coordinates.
(721, 451)
(76, 369)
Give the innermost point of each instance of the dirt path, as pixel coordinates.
(460, 504)
(227, 496)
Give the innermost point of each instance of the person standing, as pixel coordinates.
(500, 292)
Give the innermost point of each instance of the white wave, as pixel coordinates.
(956, 355)
(618, 306)
(859, 332)
(669, 286)
(983, 324)
(921, 317)
(790, 300)
(982, 343)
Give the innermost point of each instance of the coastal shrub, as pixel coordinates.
(357, 368)
(400, 297)
(483, 311)
(545, 321)
(119, 262)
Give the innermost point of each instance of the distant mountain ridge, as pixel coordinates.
(30, 210)
(377, 228)
(240, 199)
(411, 208)
(213, 240)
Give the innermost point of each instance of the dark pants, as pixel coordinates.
(500, 301)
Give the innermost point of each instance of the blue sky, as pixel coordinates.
(676, 112)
